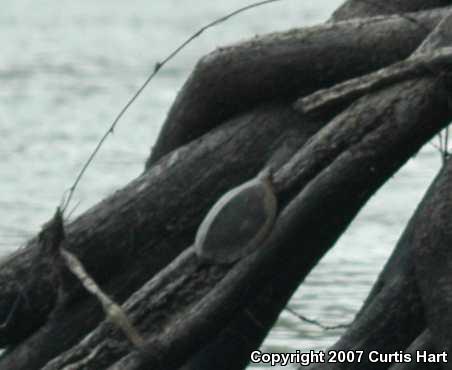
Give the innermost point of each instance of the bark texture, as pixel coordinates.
(284, 66)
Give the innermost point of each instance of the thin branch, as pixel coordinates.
(81, 363)
(112, 310)
(158, 66)
(52, 240)
(315, 322)
(436, 146)
(71, 212)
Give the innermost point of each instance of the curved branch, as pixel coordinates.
(283, 66)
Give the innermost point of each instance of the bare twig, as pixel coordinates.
(158, 66)
(52, 240)
(435, 146)
(112, 310)
(80, 364)
(73, 209)
(315, 322)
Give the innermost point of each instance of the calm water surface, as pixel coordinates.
(65, 69)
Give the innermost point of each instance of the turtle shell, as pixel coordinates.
(238, 222)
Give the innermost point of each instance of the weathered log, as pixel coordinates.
(330, 101)
(287, 133)
(434, 261)
(431, 56)
(392, 316)
(150, 207)
(283, 66)
(367, 158)
(394, 308)
(433, 257)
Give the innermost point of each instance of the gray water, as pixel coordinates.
(65, 69)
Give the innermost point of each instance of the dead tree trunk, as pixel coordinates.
(404, 293)
(192, 313)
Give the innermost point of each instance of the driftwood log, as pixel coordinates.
(236, 114)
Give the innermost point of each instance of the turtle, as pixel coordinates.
(239, 221)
